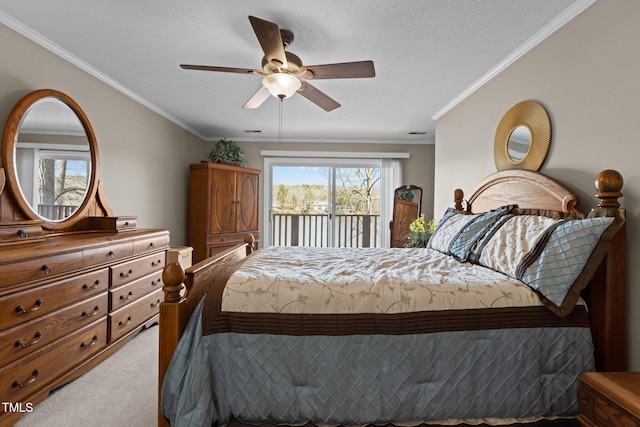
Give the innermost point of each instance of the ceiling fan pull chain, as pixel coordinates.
(280, 122)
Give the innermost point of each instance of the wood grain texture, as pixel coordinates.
(609, 399)
(527, 189)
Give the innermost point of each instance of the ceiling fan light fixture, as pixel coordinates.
(281, 85)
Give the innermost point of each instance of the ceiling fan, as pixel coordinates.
(284, 73)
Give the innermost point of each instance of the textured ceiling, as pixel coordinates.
(427, 54)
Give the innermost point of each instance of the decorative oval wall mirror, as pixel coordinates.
(50, 156)
(523, 137)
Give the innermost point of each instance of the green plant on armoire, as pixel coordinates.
(227, 151)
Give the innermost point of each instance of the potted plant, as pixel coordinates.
(227, 151)
(420, 232)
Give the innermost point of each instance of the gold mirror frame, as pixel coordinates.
(532, 115)
(9, 141)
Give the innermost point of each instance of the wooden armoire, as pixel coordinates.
(223, 207)
(76, 282)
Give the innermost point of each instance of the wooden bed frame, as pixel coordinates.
(605, 295)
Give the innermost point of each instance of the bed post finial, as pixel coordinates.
(609, 185)
(173, 277)
(458, 197)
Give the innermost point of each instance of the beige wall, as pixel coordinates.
(587, 76)
(418, 168)
(143, 157)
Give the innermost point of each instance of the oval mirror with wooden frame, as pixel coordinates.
(523, 137)
(50, 156)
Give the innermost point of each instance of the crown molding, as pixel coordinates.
(566, 16)
(54, 48)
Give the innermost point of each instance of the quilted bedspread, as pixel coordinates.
(380, 342)
(366, 280)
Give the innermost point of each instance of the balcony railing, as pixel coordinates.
(351, 230)
(56, 212)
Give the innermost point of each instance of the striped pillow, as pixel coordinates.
(547, 254)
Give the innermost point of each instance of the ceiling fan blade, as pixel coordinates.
(317, 97)
(222, 69)
(257, 99)
(270, 40)
(343, 70)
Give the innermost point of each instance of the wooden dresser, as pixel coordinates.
(223, 207)
(609, 399)
(67, 300)
(76, 282)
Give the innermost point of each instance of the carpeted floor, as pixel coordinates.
(120, 392)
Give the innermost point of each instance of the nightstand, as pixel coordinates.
(609, 399)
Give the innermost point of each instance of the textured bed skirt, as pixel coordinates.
(363, 379)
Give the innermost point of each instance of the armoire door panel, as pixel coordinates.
(247, 202)
(223, 199)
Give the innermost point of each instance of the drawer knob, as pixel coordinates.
(95, 285)
(46, 269)
(126, 297)
(95, 311)
(127, 274)
(23, 234)
(156, 263)
(93, 342)
(111, 254)
(34, 377)
(35, 339)
(155, 282)
(128, 321)
(155, 304)
(36, 306)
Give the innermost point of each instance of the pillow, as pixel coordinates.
(548, 254)
(504, 249)
(447, 229)
(557, 270)
(461, 247)
(457, 232)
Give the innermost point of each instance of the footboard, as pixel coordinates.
(183, 290)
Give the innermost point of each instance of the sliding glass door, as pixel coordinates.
(357, 206)
(312, 203)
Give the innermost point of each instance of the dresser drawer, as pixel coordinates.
(151, 244)
(23, 231)
(39, 268)
(230, 239)
(127, 271)
(133, 315)
(111, 223)
(225, 239)
(126, 294)
(107, 254)
(39, 369)
(27, 305)
(26, 338)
